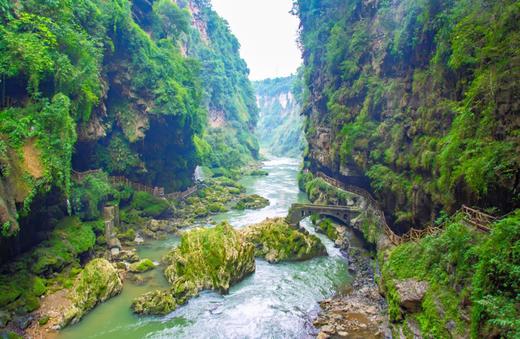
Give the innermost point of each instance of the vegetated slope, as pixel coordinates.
(420, 97)
(419, 101)
(229, 141)
(280, 126)
(115, 85)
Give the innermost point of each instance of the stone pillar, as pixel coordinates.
(111, 218)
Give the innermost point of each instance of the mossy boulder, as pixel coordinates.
(251, 201)
(69, 239)
(327, 227)
(141, 266)
(207, 259)
(97, 282)
(127, 236)
(151, 206)
(217, 207)
(275, 240)
(155, 302)
(259, 173)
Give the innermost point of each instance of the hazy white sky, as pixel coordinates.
(267, 33)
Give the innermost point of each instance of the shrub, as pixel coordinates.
(151, 206)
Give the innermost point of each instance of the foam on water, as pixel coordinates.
(277, 301)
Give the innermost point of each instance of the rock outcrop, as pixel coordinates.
(98, 282)
(141, 266)
(276, 241)
(411, 293)
(207, 259)
(359, 313)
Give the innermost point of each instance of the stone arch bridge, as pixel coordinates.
(298, 212)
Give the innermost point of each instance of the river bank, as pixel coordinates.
(277, 300)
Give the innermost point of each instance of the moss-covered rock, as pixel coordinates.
(469, 281)
(127, 236)
(217, 207)
(69, 239)
(155, 302)
(151, 206)
(212, 258)
(259, 173)
(141, 266)
(276, 241)
(252, 201)
(207, 259)
(97, 282)
(328, 228)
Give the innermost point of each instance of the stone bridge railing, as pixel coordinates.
(298, 212)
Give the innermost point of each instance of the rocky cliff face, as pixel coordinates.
(121, 86)
(280, 126)
(228, 95)
(417, 100)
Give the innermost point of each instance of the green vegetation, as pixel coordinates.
(213, 258)
(89, 195)
(97, 282)
(69, 239)
(321, 192)
(114, 76)
(276, 241)
(251, 201)
(150, 206)
(219, 195)
(471, 275)
(53, 72)
(327, 227)
(280, 127)
(417, 97)
(259, 173)
(51, 265)
(141, 266)
(229, 142)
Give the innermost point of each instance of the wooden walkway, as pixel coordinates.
(155, 191)
(473, 217)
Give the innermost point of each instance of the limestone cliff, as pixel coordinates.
(228, 95)
(280, 126)
(125, 87)
(416, 100)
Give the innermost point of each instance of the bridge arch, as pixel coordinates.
(298, 212)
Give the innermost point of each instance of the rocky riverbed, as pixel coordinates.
(360, 311)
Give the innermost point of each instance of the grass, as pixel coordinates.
(468, 273)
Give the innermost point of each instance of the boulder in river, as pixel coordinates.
(251, 201)
(97, 282)
(207, 259)
(155, 302)
(275, 240)
(141, 266)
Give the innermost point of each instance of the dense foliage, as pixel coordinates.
(228, 94)
(420, 96)
(470, 275)
(280, 127)
(120, 85)
(106, 72)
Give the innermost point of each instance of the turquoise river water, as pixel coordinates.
(277, 301)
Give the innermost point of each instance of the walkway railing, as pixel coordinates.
(476, 218)
(155, 191)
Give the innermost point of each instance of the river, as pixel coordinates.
(277, 301)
